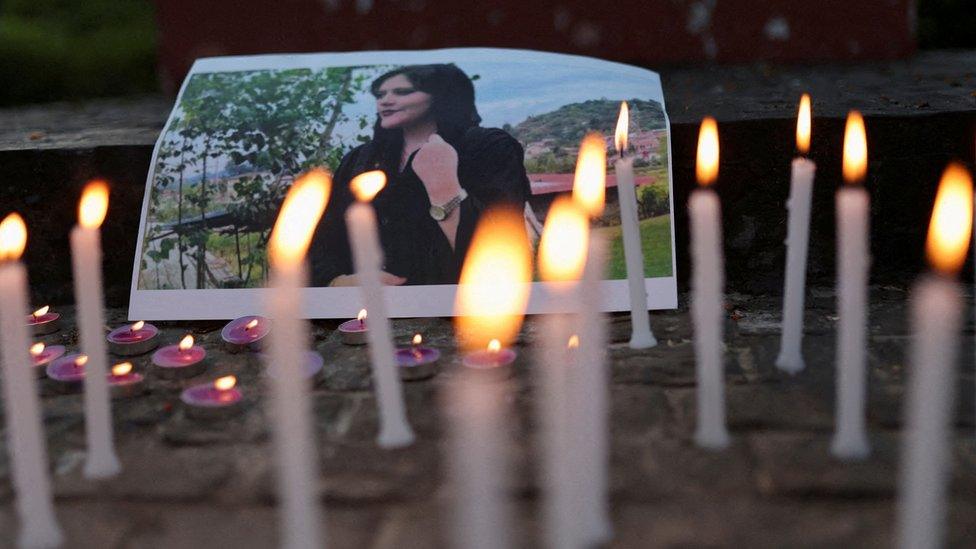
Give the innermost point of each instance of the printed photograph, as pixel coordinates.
(452, 138)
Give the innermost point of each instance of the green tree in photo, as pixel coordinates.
(653, 200)
(266, 128)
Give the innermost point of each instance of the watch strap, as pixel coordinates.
(444, 211)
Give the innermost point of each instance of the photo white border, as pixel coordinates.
(402, 301)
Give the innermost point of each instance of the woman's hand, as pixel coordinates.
(386, 279)
(436, 165)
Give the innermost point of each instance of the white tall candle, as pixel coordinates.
(559, 465)
(936, 315)
(27, 452)
(936, 318)
(641, 336)
(295, 449)
(708, 274)
(477, 464)
(850, 438)
(490, 302)
(592, 388)
(394, 429)
(86, 259)
(297, 461)
(790, 357)
(562, 261)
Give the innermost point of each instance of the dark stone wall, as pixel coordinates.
(906, 159)
(45, 185)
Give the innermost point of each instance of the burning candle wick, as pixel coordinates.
(36, 315)
(417, 340)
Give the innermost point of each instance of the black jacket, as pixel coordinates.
(490, 169)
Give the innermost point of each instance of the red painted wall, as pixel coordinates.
(642, 32)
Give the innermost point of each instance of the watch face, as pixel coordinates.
(437, 213)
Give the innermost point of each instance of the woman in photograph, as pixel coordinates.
(442, 169)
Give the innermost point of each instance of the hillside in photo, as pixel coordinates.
(551, 140)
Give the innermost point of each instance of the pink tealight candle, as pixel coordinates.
(213, 400)
(181, 360)
(417, 362)
(133, 339)
(124, 383)
(43, 321)
(245, 333)
(312, 366)
(42, 355)
(68, 371)
(495, 361)
(353, 332)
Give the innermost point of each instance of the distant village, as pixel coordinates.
(644, 145)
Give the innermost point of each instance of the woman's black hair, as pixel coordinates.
(452, 108)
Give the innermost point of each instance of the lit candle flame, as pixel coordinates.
(415, 350)
(136, 326)
(300, 214)
(361, 316)
(121, 369)
(590, 182)
(365, 186)
(952, 221)
(93, 204)
(573, 342)
(564, 241)
(251, 325)
(36, 349)
(855, 149)
(803, 125)
(186, 343)
(493, 289)
(41, 312)
(81, 360)
(706, 164)
(494, 346)
(13, 237)
(620, 134)
(225, 383)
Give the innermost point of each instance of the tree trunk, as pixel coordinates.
(336, 110)
(237, 243)
(179, 217)
(250, 262)
(210, 276)
(202, 245)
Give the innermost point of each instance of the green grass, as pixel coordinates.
(655, 241)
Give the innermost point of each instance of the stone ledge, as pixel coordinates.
(188, 482)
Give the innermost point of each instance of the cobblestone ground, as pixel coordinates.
(188, 483)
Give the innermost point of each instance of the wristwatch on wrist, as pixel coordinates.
(442, 212)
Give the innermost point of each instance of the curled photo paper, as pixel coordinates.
(510, 121)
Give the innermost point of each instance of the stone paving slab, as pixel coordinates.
(192, 483)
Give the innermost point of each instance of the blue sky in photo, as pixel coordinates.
(511, 92)
(508, 92)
